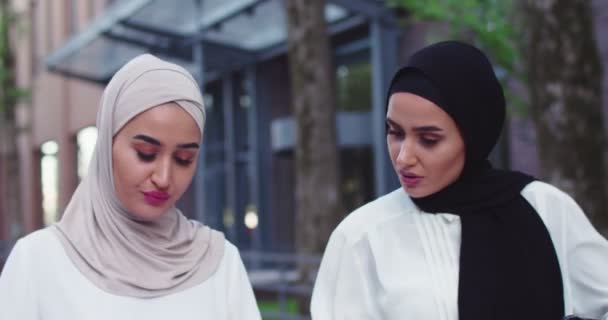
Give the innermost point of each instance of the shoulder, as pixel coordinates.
(220, 249)
(33, 250)
(366, 218)
(39, 242)
(546, 198)
(558, 210)
(231, 252)
(231, 269)
(538, 190)
(230, 255)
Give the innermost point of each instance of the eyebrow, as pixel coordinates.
(150, 140)
(392, 123)
(417, 129)
(428, 129)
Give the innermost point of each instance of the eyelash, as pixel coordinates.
(146, 157)
(427, 142)
(182, 162)
(150, 157)
(396, 133)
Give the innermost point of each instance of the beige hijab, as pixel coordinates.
(118, 252)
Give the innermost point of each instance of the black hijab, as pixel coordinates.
(508, 265)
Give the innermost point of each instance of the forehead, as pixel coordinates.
(409, 109)
(167, 121)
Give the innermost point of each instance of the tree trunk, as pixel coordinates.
(565, 78)
(318, 206)
(10, 207)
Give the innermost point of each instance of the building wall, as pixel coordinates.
(58, 107)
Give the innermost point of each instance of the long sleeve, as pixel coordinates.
(17, 297)
(582, 251)
(587, 263)
(242, 304)
(343, 288)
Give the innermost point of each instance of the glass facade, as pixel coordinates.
(354, 97)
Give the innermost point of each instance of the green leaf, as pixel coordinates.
(488, 20)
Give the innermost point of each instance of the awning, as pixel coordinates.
(211, 35)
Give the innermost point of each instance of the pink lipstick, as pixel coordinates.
(409, 179)
(156, 198)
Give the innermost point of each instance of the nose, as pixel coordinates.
(407, 155)
(161, 176)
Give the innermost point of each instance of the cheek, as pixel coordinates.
(117, 168)
(185, 176)
(127, 171)
(393, 149)
(119, 171)
(182, 179)
(449, 164)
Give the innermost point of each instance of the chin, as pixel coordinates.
(413, 193)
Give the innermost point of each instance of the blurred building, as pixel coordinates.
(56, 116)
(236, 49)
(68, 49)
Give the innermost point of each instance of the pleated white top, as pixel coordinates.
(389, 260)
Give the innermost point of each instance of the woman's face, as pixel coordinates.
(154, 159)
(424, 143)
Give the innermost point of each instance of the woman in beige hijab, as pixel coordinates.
(122, 250)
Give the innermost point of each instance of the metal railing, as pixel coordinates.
(276, 277)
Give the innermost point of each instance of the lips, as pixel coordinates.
(156, 198)
(409, 179)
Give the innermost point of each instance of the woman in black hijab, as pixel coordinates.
(460, 239)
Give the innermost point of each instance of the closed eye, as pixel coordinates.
(183, 162)
(392, 129)
(429, 141)
(395, 132)
(146, 157)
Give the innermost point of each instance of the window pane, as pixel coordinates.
(50, 181)
(99, 58)
(85, 139)
(264, 26)
(353, 82)
(357, 177)
(184, 16)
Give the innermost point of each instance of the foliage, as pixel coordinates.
(10, 94)
(274, 306)
(488, 20)
(489, 23)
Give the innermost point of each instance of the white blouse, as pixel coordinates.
(388, 260)
(39, 282)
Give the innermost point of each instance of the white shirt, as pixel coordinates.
(388, 260)
(40, 282)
